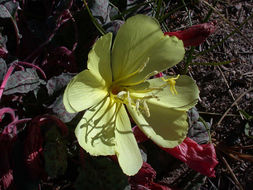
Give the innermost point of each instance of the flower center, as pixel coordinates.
(121, 88)
(114, 89)
(123, 96)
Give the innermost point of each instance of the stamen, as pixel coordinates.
(172, 83)
(121, 95)
(140, 103)
(129, 98)
(145, 108)
(137, 104)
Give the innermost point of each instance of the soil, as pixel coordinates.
(219, 87)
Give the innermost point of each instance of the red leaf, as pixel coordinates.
(139, 135)
(159, 75)
(59, 60)
(33, 148)
(201, 158)
(33, 151)
(7, 138)
(195, 35)
(9, 111)
(144, 179)
(157, 186)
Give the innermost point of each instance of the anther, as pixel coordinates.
(121, 95)
(172, 83)
(146, 109)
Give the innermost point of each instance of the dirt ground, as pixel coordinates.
(221, 88)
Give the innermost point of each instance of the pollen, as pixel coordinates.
(172, 82)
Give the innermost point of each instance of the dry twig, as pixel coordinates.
(232, 173)
(224, 115)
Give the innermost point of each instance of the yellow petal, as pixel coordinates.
(165, 126)
(140, 40)
(100, 56)
(126, 147)
(84, 91)
(186, 97)
(66, 103)
(95, 131)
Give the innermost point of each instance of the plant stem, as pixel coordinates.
(95, 22)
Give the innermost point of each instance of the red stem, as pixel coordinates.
(6, 77)
(35, 66)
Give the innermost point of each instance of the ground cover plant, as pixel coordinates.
(201, 71)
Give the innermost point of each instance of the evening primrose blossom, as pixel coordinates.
(118, 79)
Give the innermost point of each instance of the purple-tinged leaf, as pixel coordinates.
(197, 130)
(60, 111)
(8, 12)
(3, 50)
(113, 26)
(34, 66)
(23, 82)
(4, 13)
(11, 7)
(59, 82)
(3, 68)
(100, 10)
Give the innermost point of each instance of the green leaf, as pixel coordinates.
(100, 173)
(23, 82)
(248, 129)
(55, 153)
(246, 115)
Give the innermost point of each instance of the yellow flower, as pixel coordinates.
(118, 78)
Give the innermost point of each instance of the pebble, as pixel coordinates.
(251, 59)
(238, 6)
(247, 96)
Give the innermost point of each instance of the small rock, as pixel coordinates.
(238, 6)
(247, 96)
(251, 59)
